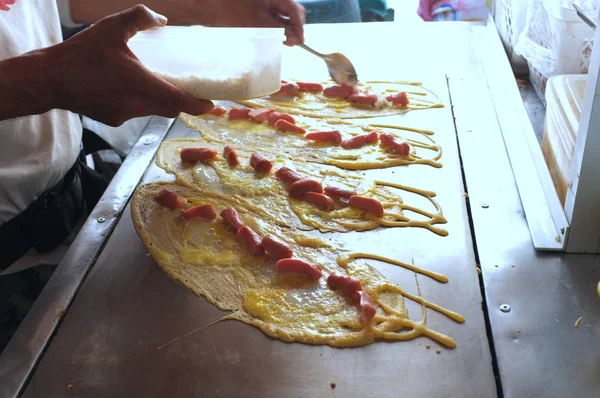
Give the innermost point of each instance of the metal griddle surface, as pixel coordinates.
(107, 345)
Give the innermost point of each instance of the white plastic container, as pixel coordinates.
(564, 96)
(214, 63)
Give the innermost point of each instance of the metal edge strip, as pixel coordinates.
(546, 217)
(26, 348)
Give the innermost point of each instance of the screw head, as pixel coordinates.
(505, 308)
(101, 220)
(485, 205)
(147, 141)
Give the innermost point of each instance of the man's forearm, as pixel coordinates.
(178, 12)
(23, 89)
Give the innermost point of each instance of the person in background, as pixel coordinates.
(373, 10)
(45, 188)
(454, 10)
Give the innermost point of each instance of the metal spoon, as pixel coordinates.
(340, 68)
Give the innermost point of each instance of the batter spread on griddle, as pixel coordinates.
(248, 134)
(205, 256)
(316, 105)
(266, 196)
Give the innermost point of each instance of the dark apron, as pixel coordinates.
(48, 221)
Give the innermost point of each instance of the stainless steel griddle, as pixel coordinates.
(105, 343)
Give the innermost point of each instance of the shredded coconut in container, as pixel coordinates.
(246, 86)
(381, 102)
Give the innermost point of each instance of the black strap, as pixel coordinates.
(46, 222)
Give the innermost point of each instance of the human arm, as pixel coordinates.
(234, 13)
(23, 90)
(95, 74)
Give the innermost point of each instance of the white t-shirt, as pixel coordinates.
(35, 151)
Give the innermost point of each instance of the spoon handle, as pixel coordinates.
(310, 50)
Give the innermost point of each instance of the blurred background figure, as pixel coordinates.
(455, 10)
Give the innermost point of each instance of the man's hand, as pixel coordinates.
(95, 74)
(234, 13)
(287, 14)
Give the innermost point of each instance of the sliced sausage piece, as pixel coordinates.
(217, 111)
(399, 146)
(310, 87)
(338, 192)
(231, 156)
(344, 283)
(301, 267)
(299, 188)
(197, 154)
(261, 114)
(351, 286)
(367, 99)
(365, 306)
(336, 281)
(360, 140)
(288, 89)
(322, 201)
(232, 218)
(287, 175)
(398, 99)
(239, 113)
(251, 239)
(285, 125)
(339, 91)
(369, 204)
(325, 136)
(275, 116)
(276, 248)
(260, 163)
(202, 211)
(169, 199)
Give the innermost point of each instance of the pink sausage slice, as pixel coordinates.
(310, 87)
(322, 201)
(239, 113)
(287, 175)
(325, 136)
(285, 125)
(275, 116)
(217, 111)
(398, 99)
(261, 114)
(202, 211)
(251, 239)
(232, 218)
(301, 267)
(288, 89)
(197, 154)
(344, 283)
(299, 188)
(231, 156)
(339, 192)
(276, 248)
(339, 91)
(260, 164)
(169, 199)
(367, 99)
(360, 140)
(369, 204)
(399, 146)
(365, 306)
